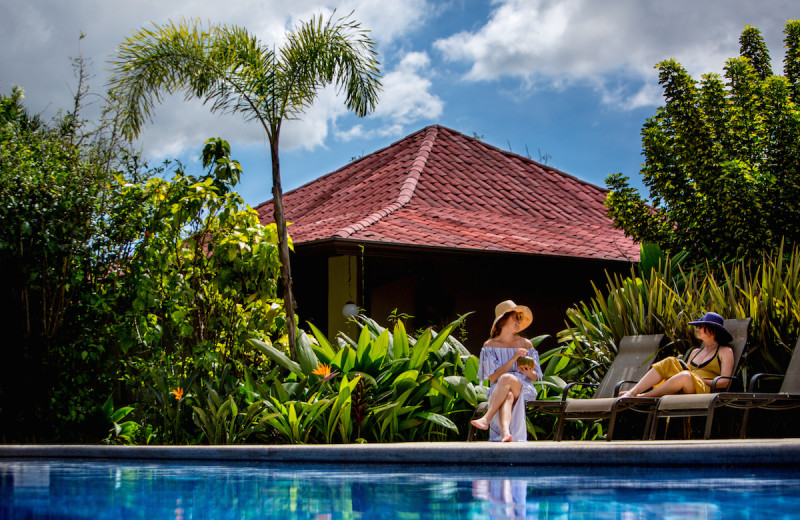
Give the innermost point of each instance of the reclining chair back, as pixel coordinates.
(791, 381)
(634, 357)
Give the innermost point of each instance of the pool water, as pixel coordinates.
(120, 490)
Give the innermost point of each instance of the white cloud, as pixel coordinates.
(406, 96)
(406, 99)
(37, 38)
(560, 42)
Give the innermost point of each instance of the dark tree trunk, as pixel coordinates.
(283, 247)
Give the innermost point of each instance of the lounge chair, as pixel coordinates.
(787, 397)
(634, 358)
(703, 405)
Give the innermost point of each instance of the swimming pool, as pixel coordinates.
(71, 489)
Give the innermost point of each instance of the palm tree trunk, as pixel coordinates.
(283, 246)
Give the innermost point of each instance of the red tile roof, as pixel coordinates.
(440, 188)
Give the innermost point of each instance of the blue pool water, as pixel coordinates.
(35, 489)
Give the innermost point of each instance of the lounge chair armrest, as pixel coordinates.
(570, 385)
(618, 386)
(751, 387)
(718, 378)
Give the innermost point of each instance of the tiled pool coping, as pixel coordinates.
(725, 452)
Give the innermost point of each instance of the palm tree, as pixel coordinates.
(233, 72)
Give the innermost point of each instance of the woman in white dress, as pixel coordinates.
(511, 382)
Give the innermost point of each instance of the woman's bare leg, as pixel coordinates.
(505, 384)
(504, 417)
(650, 379)
(680, 382)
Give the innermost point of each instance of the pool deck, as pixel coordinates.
(757, 452)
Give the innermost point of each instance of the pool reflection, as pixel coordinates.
(182, 491)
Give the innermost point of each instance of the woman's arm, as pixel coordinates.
(532, 373)
(725, 367)
(502, 369)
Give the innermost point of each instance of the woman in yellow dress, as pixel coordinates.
(672, 376)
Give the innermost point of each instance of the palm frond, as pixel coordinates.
(219, 65)
(333, 52)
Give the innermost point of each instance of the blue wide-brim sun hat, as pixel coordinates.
(717, 322)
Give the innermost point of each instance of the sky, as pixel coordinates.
(568, 83)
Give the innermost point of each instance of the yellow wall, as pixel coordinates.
(342, 288)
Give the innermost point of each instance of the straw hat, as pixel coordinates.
(507, 306)
(716, 322)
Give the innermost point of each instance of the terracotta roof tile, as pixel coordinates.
(437, 187)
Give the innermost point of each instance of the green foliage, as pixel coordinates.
(119, 280)
(63, 232)
(666, 300)
(722, 159)
(121, 432)
(230, 70)
(227, 418)
(384, 386)
(203, 276)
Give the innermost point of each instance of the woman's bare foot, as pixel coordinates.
(627, 393)
(480, 424)
(508, 438)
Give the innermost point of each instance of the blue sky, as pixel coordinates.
(569, 82)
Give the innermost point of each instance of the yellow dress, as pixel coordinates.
(709, 370)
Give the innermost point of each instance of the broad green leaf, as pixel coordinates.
(437, 385)
(276, 355)
(323, 348)
(464, 388)
(471, 368)
(121, 413)
(419, 352)
(378, 350)
(400, 346)
(439, 419)
(440, 339)
(305, 354)
(408, 375)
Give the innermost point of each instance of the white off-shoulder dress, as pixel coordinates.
(492, 358)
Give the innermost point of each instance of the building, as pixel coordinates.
(439, 224)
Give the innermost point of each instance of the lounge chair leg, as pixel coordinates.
(560, 427)
(743, 428)
(611, 421)
(654, 425)
(648, 426)
(709, 424)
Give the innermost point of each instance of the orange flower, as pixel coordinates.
(178, 393)
(324, 371)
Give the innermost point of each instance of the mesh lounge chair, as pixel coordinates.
(633, 359)
(788, 395)
(703, 405)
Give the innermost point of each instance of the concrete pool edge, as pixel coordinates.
(728, 452)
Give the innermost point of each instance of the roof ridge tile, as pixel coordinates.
(406, 189)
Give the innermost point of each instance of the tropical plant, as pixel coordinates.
(228, 68)
(384, 386)
(218, 415)
(766, 290)
(120, 432)
(63, 233)
(721, 159)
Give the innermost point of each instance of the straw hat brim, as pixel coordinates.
(509, 306)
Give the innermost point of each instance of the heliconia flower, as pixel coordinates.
(324, 371)
(178, 393)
